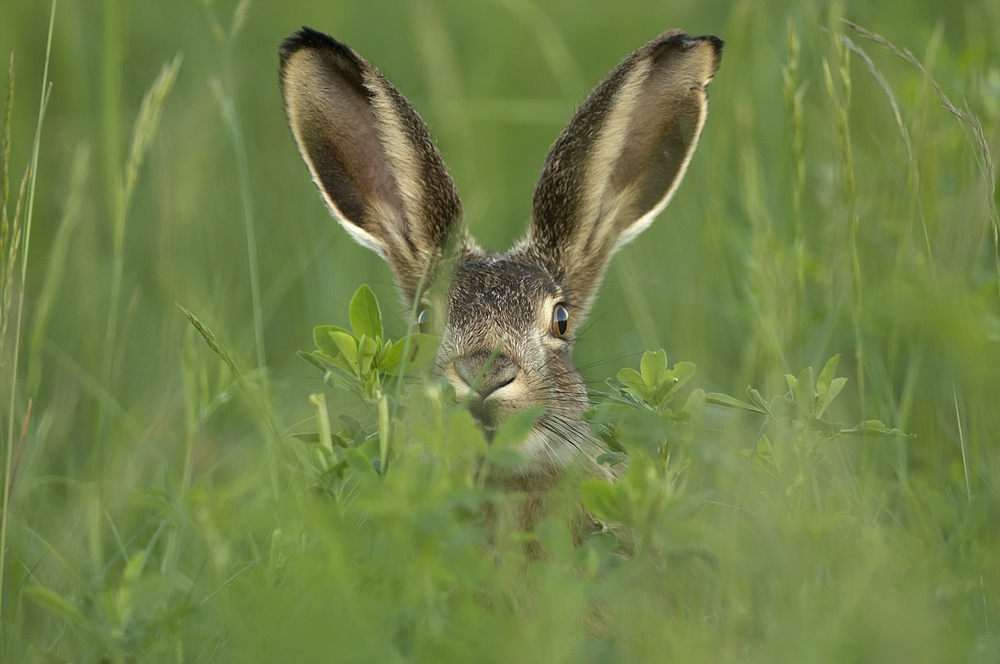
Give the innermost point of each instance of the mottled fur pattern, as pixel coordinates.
(611, 171)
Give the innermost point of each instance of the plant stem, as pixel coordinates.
(43, 103)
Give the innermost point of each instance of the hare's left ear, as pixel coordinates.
(620, 159)
(370, 154)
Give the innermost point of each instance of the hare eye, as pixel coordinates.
(424, 321)
(560, 321)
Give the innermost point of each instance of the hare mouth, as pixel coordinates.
(489, 412)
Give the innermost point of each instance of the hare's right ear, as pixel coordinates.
(370, 154)
(620, 159)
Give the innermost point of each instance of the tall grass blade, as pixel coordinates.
(961, 442)
(9, 254)
(226, 96)
(984, 156)
(260, 402)
(57, 263)
(216, 347)
(29, 211)
(840, 96)
(794, 92)
(5, 148)
(143, 132)
(916, 208)
(111, 98)
(20, 448)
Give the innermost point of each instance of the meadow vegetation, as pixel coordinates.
(219, 445)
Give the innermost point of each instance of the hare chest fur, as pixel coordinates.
(507, 322)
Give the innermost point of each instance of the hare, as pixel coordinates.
(507, 321)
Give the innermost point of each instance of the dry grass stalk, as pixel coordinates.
(984, 157)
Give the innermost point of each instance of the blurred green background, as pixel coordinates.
(803, 229)
(496, 82)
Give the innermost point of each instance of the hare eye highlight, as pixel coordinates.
(424, 321)
(560, 321)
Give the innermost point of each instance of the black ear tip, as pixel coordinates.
(675, 40)
(306, 37)
(717, 45)
(687, 42)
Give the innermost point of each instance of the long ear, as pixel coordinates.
(370, 154)
(620, 159)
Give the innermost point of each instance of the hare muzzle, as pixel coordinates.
(482, 376)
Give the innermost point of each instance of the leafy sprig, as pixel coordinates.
(363, 358)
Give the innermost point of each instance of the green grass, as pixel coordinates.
(842, 202)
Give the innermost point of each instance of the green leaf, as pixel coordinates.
(645, 428)
(312, 359)
(507, 457)
(875, 428)
(327, 362)
(762, 456)
(366, 319)
(463, 436)
(726, 401)
(341, 363)
(612, 459)
(516, 428)
(389, 363)
(422, 349)
(676, 378)
(826, 375)
(654, 368)
(352, 427)
(133, 569)
(781, 407)
(367, 347)
(827, 429)
(805, 393)
(766, 450)
(833, 389)
(324, 342)
(337, 381)
(360, 463)
(603, 413)
(634, 383)
(348, 347)
(694, 401)
(54, 603)
(682, 372)
(311, 437)
(604, 500)
(757, 400)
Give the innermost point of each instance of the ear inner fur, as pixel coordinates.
(620, 159)
(687, 101)
(370, 154)
(327, 147)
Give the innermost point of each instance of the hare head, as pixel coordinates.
(507, 322)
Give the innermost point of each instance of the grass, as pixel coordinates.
(176, 500)
(12, 231)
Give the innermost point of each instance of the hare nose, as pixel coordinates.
(485, 376)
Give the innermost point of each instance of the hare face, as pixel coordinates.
(506, 321)
(502, 354)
